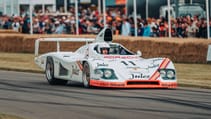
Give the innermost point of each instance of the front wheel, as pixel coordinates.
(49, 73)
(86, 75)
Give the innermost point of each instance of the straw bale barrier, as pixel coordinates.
(9, 31)
(189, 50)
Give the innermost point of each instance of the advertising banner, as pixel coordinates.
(120, 2)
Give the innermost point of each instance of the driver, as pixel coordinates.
(103, 48)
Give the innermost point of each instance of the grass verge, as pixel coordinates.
(193, 75)
(5, 116)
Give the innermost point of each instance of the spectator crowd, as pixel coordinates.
(91, 22)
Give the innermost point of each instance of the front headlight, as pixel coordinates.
(162, 73)
(170, 74)
(105, 73)
(99, 73)
(167, 74)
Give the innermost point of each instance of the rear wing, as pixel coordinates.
(58, 40)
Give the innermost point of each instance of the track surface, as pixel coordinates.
(29, 95)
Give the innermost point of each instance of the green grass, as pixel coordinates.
(197, 75)
(5, 116)
(194, 75)
(18, 61)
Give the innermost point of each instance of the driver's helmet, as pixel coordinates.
(103, 48)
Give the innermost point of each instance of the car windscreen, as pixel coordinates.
(115, 49)
(119, 50)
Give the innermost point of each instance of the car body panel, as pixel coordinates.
(115, 70)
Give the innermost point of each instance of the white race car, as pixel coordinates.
(101, 63)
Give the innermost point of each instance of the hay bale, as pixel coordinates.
(11, 43)
(179, 50)
(8, 31)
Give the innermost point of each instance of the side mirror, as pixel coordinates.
(139, 53)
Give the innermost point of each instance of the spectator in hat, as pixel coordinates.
(16, 25)
(140, 29)
(58, 28)
(36, 26)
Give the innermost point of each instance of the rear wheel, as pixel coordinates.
(86, 75)
(49, 73)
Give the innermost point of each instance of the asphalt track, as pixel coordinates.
(29, 95)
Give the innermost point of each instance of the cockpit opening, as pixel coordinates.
(112, 49)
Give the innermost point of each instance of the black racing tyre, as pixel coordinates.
(86, 75)
(49, 73)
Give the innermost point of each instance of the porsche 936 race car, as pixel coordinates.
(102, 63)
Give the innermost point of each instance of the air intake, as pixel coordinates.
(143, 83)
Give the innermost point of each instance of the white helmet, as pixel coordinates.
(102, 46)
